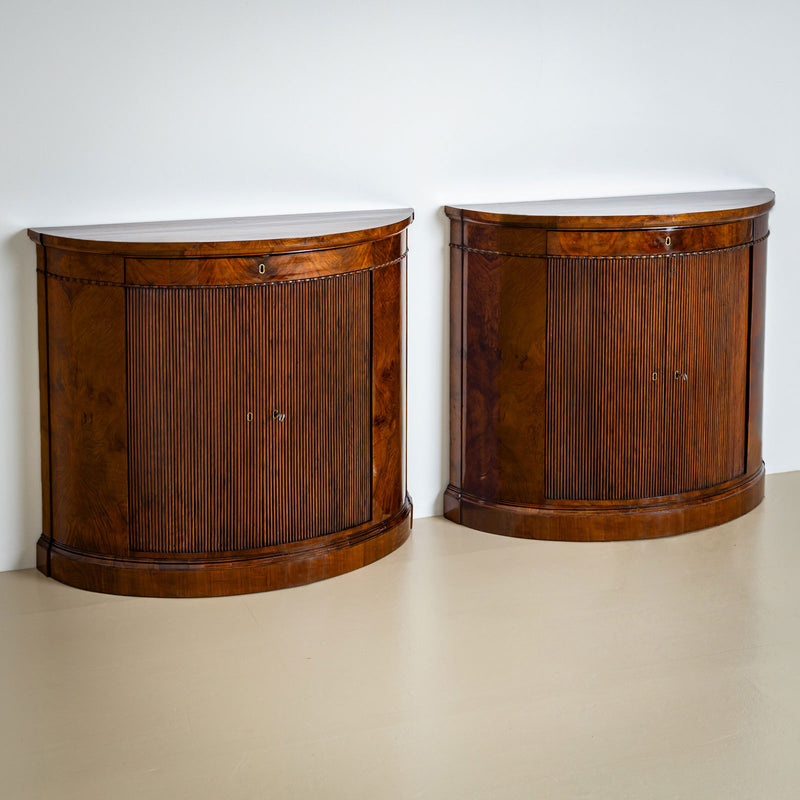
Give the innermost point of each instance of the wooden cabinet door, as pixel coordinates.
(249, 413)
(706, 385)
(605, 378)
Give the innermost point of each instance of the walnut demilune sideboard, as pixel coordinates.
(606, 364)
(222, 401)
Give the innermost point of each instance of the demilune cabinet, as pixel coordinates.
(606, 364)
(223, 401)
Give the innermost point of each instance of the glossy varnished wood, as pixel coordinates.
(610, 213)
(207, 576)
(216, 425)
(262, 268)
(606, 364)
(605, 378)
(755, 365)
(230, 236)
(705, 424)
(388, 383)
(659, 241)
(597, 522)
(263, 414)
(44, 388)
(88, 419)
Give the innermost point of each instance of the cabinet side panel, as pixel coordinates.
(44, 389)
(705, 425)
(605, 378)
(388, 389)
(250, 414)
(88, 429)
(755, 397)
(456, 352)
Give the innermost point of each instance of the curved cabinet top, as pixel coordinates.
(642, 212)
(289, 233)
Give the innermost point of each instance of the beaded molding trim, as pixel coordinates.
(220, 285)
(466, 249)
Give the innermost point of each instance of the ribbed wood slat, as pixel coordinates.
(614, 433)
(604, 409)
(206, 478)
(704, 435)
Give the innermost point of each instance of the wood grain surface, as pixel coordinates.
(639, 211)
(230, 236)
(606, 382)
(217, 425)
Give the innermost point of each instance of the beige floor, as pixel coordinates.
(464, 665)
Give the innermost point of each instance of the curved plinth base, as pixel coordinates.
(648, 519)
(273, 568)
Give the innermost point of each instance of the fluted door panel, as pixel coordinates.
(605, 328)
(706, 388)
(250, 413)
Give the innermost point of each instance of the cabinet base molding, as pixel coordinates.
(239, 573)
(650, 519)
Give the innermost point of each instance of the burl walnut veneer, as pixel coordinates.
(606, 364)
(223, 401)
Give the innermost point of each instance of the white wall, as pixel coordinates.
(156, 110)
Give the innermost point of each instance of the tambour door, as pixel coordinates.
(606, 323)
(249, 413)
(647, 374)
(706, 359)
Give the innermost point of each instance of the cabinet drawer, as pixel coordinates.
(194, 271)
(260, 269)
(653, 242)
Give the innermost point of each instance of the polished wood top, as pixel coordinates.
(231, 236)
(642, 211)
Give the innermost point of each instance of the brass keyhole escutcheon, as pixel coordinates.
(249, 416)
(655, 376)
(262, 268)
(668, 241)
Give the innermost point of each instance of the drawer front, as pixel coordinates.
(194, 271)
(260, 269)
(654, 242)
